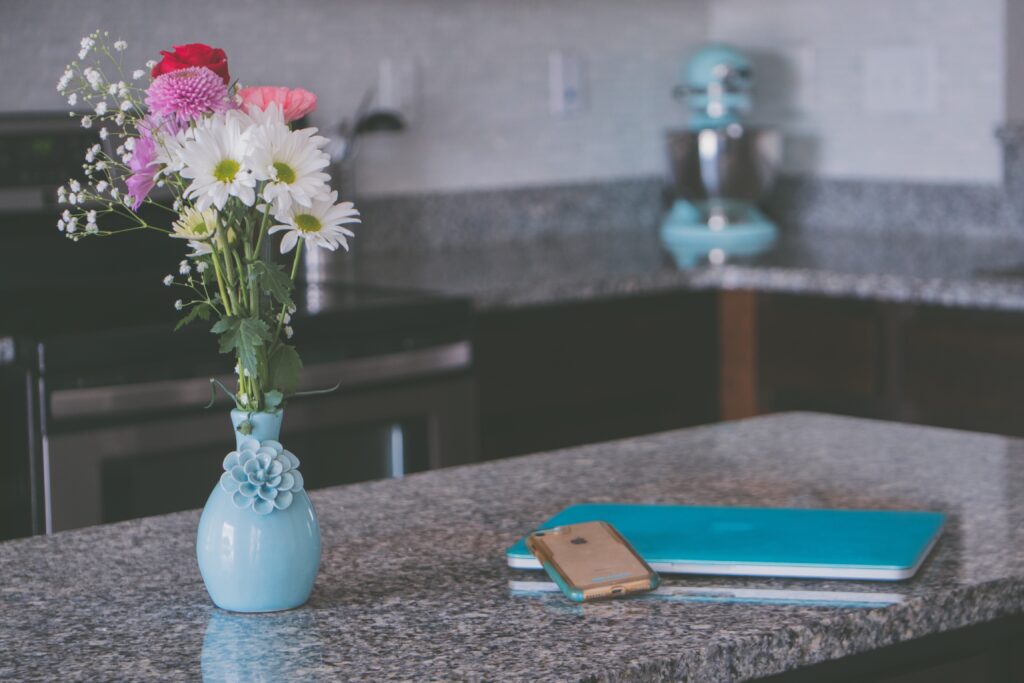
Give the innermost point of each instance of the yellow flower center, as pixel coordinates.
(307, 223)
(285, 173)
(225, 170)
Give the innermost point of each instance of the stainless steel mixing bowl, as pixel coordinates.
(732, 163)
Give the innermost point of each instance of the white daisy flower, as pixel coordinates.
(215, 161)
(198, 227)
(120, 45)
(290, 161)
(169, 149)
(319, 224)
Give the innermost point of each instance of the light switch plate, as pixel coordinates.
(565, 83)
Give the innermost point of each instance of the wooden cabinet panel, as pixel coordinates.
(965, 369)
(562, 375)
(820, 354)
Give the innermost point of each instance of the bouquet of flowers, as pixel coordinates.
(228, 166)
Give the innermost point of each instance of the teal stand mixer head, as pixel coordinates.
(720, 166)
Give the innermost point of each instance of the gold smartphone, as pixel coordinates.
(591, 561)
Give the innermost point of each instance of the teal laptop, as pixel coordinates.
(881, 545)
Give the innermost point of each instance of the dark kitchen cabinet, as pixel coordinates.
(984, 653)
(925, 364)
(569, 374)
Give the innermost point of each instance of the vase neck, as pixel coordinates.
(262, 426)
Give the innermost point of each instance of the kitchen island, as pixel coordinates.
(413, 583)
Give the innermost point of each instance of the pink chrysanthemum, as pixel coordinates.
(187, 94)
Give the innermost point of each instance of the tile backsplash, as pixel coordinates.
(482, 118)
(883, 89)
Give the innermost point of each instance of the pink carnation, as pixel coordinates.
(187, 94)
(144, 167)
(294, 102)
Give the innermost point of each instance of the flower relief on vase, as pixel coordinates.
(261, 475)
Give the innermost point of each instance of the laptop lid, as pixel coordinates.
(785, 542)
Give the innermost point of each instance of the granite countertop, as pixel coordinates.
(976, 271)
(413, 583)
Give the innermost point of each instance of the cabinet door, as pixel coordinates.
(820, 354)
(964, 369)
(577, 373)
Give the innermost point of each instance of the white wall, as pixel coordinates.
(834, 133)
(483, 119)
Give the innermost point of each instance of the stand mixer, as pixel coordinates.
(720, 166)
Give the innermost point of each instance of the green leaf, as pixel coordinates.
(285, 366)
(272, 399)
(243, 336)
(271, 279)
(224, 324)
(201, 311)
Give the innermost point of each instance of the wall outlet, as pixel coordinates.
(900, 79)
(565, 83)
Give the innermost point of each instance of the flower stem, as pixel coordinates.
(295, 269)
(263, 231)
(220, 280)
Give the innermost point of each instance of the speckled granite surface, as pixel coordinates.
(975, 272)
(413, 584)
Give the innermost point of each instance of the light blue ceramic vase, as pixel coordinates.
(259, 539)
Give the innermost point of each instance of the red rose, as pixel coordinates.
(194, 54)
